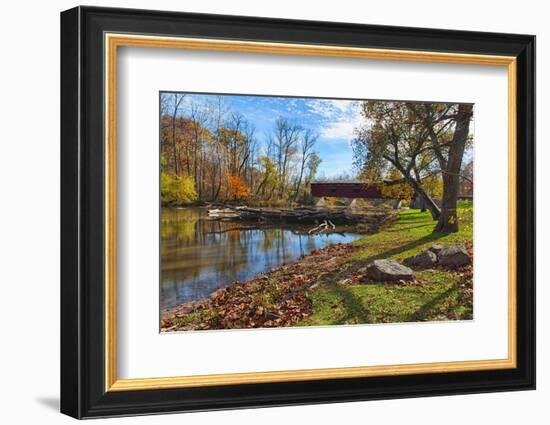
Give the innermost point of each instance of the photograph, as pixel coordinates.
(280, 211)
(284, 210)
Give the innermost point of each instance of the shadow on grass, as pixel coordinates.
(406, 247)
(416, 218)
(404, 228)
(422, 312)
(354, 308)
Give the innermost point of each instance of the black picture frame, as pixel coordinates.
(83, 392)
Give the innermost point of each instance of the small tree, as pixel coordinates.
(177, 190)
(269, 179)
(237, 188)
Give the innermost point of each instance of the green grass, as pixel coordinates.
(412, 233)
(440, 295)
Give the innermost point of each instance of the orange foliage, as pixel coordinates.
(237, 188)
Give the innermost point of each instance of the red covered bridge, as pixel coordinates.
(350, 190)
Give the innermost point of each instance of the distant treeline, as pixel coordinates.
(210, 152)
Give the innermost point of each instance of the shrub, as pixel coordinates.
(237, 188)
(177, 190)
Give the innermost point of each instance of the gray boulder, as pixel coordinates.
(435, 248)
(388, 271)
(423, 260)
(453, 256)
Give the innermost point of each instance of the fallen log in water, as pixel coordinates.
(329, 217)
(319, 229)
(222, 212)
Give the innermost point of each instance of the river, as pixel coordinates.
(199, 256)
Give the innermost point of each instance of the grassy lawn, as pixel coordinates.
(437, 295)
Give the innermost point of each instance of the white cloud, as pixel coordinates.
(330, 108)
(342, 126)
(344, 106)
(339, 130)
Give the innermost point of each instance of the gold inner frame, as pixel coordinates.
(113, 41)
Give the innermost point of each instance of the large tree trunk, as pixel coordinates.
(177, 103)
(299, 181)
(427, 201)
(448, 220)
(174, 145)
(218, 188)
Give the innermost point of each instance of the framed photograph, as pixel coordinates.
(261, 212)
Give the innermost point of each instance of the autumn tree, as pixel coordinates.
(394, 137)
(237, 188)
(449, 129)
(218, 110)
(396, 188)
(269, 178)
(420, 141)
(312, 166)
(285, 143)
(177, 190)
(176, 103)
(307, 143)
(202, 141)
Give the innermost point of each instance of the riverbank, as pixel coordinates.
(328, 286)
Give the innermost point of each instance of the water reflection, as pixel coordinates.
(199, 256)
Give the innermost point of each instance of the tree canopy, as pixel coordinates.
(422, 142)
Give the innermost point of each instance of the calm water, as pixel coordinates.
(200, 256)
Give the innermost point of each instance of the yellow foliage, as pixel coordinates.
(397, 190)
(177, 190)
(434, 186)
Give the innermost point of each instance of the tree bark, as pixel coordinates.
(299, 181)
(174, 145)
(448, 220)
(427, 199)
(177, 102)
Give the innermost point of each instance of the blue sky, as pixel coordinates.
(333, 119)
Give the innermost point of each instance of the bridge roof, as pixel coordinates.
(342, 182)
